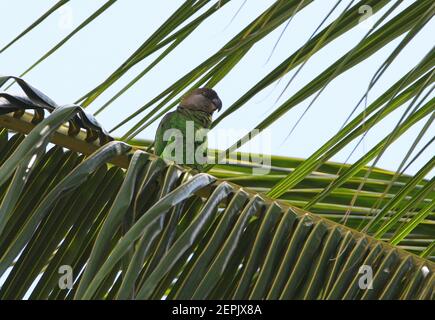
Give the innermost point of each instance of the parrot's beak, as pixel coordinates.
(217, 103)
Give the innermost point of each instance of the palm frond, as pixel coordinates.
(131, 225)
(160, 231)
(56, 6)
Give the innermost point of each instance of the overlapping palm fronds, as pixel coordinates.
(140, 227)
(159, 231)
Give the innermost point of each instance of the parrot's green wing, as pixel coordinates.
(172, 134)
(167, 122)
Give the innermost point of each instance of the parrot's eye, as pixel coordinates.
(209, 94)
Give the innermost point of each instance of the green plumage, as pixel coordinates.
(200, 122)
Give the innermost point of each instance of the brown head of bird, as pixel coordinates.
(202, 99)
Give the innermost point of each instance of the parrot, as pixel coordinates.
(185, 129)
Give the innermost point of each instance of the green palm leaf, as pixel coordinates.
(133, 226)
(209, 240)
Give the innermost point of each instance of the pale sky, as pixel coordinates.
(92, 54)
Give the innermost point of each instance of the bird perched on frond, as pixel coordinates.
(182, 134)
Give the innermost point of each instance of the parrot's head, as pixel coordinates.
(202, 99)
